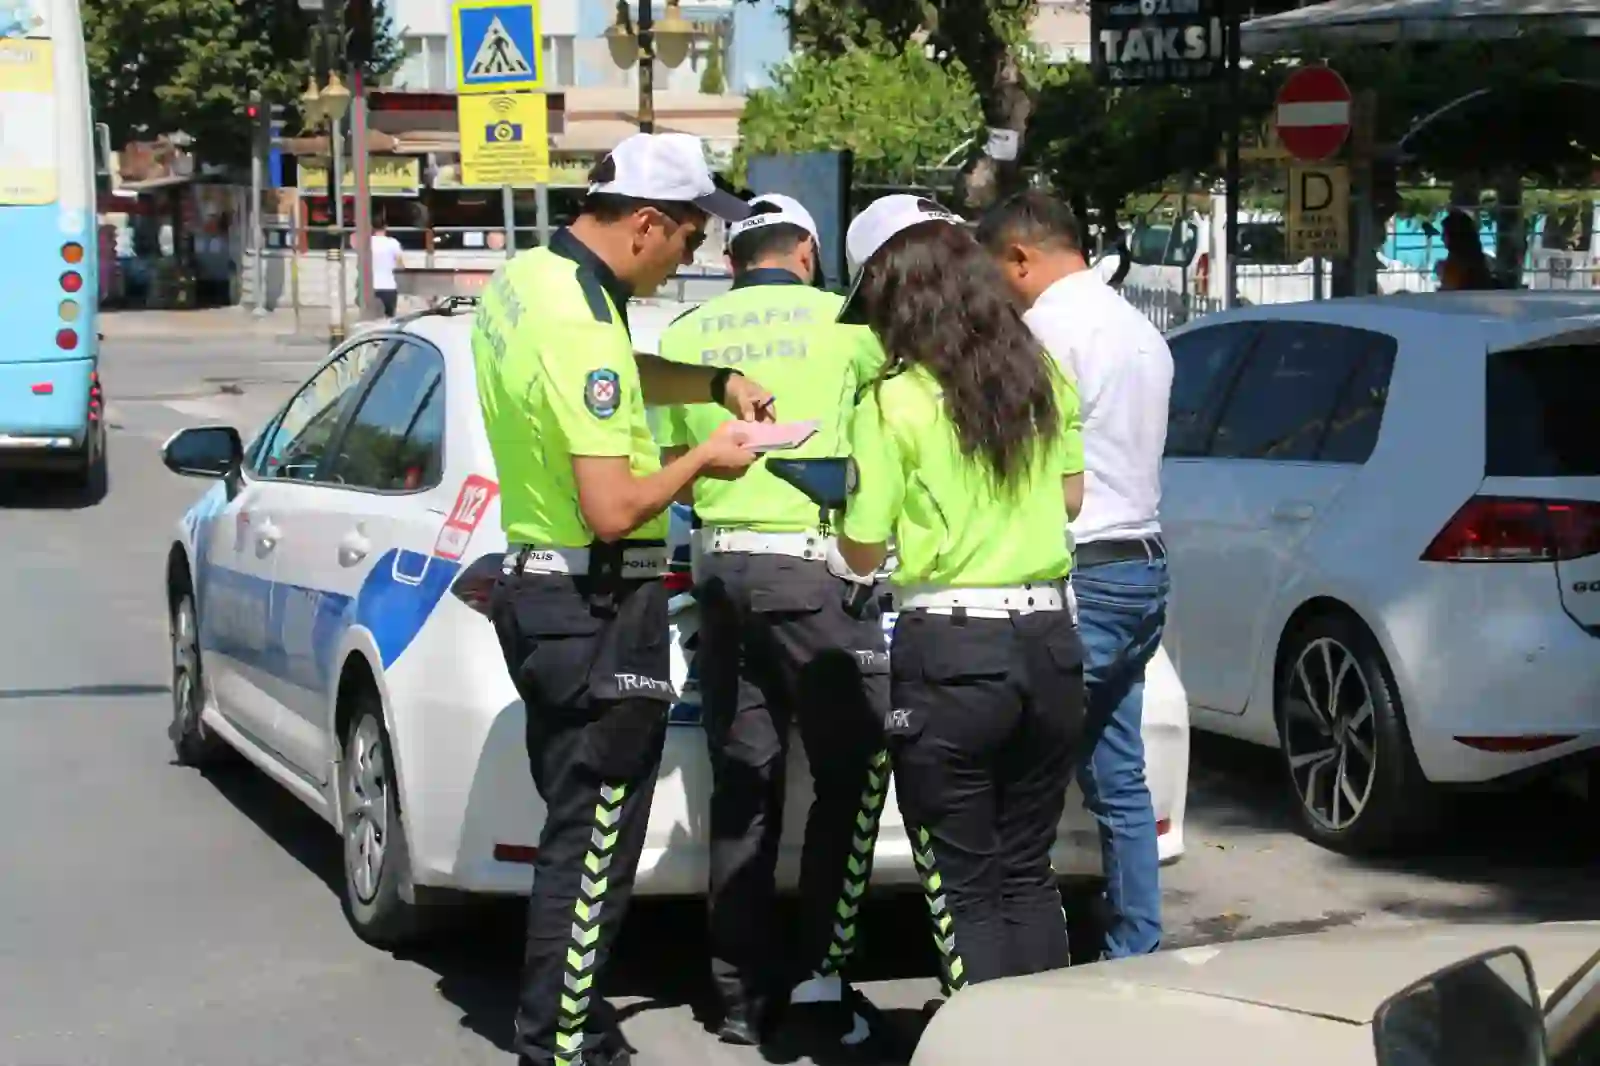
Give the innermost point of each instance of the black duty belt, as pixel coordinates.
(1101, 552)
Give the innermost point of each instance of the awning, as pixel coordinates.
(1388, 21)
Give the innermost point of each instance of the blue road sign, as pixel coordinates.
(498, 46)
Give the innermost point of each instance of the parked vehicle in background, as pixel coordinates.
(1383, 525)
(50, 403)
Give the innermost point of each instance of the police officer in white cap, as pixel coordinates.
(779, 646)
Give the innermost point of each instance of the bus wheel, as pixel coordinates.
(89, 475)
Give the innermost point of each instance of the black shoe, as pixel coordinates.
(851, 1021)
(743, 1023)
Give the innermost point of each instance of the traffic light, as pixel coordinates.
(252, 108)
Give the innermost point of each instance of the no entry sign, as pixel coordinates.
(1313, 113)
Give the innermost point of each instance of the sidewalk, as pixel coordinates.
(237, 322)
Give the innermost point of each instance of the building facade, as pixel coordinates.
(741, 39)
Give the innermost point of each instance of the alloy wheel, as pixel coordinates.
(185, 673)
(366, 808)
(1330, 736)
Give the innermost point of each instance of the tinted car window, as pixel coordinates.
(395, 442)
(1203, 366)
(1540, 413)
(297, 444)
(1161, 246)
(1285, 395)
(1353, 429)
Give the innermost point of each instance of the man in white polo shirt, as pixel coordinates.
(1123, 371)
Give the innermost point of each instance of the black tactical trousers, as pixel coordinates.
(984, 731)
(777, 646)
(594, 675)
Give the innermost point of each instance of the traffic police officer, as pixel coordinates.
(580, 618)
(777, 643)
(969, 453)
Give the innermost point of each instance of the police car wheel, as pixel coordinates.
(376, 858)
(1354, 783)
(192, 740)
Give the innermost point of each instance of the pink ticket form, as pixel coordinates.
(776, 436)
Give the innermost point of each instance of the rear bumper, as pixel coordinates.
(44, 411)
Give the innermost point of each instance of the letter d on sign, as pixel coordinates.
(1316, 191)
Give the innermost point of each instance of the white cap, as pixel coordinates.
(670, 167)
(873, 228)
(772, 209)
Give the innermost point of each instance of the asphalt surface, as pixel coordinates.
(150, 914)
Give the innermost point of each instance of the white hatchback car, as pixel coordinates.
(1383, 518)
(314, 632)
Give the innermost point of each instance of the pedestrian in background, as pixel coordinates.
(777, 644)
(1123, 372)
(969, 456)
(387, 258)
(1465, 265)
(580, 611)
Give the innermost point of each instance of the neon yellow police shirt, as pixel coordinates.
(951, 525)
(556, 379)
(782, 333)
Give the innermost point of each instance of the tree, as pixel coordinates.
(159, 66)
(895, 107)
(987, 39)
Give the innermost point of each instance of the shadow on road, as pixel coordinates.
(1532, 851)
(88, 691)
(41, 491)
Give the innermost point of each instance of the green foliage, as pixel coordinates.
(160, 66)
(713, 81)
(895, 107)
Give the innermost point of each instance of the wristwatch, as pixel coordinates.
(719, 384)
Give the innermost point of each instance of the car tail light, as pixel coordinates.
(678, 581)
(1499, 529)
(71, 281)
(66, 339)
(72, 252)
(1202, 274)
(517, 853)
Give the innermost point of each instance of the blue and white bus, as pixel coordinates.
(50, 403)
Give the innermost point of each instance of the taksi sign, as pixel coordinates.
(1157, 42)
(498, 46)
(1319, 211)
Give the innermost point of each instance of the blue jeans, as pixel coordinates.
(1122, 609)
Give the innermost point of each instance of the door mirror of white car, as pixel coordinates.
(204, 451)
(1483, 1011)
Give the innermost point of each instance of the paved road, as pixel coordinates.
(153, 915)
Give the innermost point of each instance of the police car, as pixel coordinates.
(314, 631)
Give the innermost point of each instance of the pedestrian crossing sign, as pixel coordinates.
(498, 46)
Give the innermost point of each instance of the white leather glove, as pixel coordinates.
(841, 569)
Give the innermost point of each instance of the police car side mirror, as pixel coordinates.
(827, 483)
(1485, 1008)
(204, 451)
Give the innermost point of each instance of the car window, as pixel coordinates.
(296, 445)
(1540, 422)
(1264, 244)
(1286, 392)
(1160, 246)
(1203, 366)
(395, 441)
(1353, 429)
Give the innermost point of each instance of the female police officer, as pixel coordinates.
(969, 454)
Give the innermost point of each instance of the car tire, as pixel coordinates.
(193, 742)
(1352, 775)
(376, 858)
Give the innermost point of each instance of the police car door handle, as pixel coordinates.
(353, 548)
(267, 535)
(1294, 511)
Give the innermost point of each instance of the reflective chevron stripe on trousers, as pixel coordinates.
(858, 867)
(594, 756)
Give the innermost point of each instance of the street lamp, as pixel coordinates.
(330, 105)
(667, 40)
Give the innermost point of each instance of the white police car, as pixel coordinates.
(313, 632)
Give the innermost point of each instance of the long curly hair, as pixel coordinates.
(935, 299)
